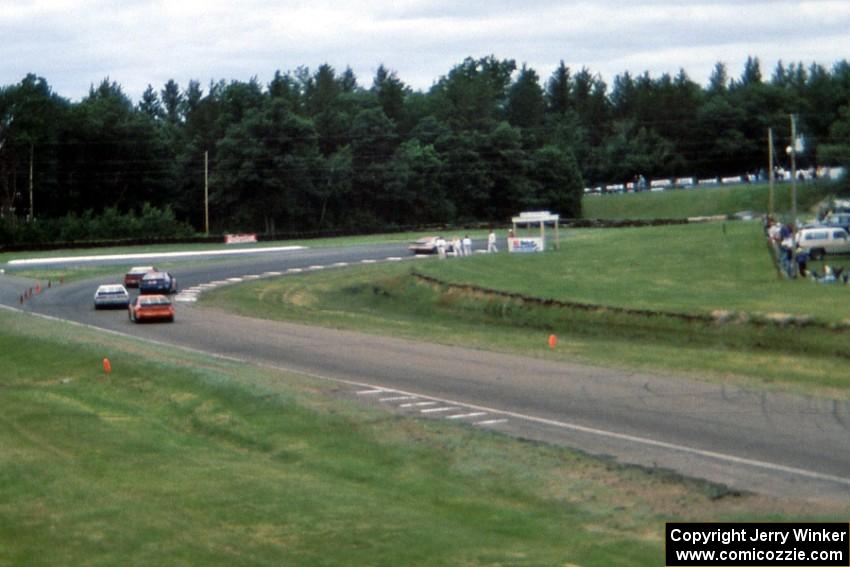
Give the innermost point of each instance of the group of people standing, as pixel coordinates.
(794, 259)
(462, 247)
(455, 246)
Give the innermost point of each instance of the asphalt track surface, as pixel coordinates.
(751, 440)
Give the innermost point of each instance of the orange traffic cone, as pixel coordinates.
(107, 366)
(553, 341)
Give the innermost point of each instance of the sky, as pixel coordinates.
(76, 43)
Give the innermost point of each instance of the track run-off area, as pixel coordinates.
(751, 440)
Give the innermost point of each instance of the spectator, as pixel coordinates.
(456, 249)
(491, 242)
(802, 261)
(441, 247)
(774, 232)
(467, 245)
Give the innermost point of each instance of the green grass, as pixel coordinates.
(695, 268)
(681, 269)
(69, 274)
(707, 201)
(180, 459)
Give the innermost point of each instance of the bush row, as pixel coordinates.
(110, 225)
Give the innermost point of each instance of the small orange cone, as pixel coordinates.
(553, 341)
(107, 366)
(37, 288)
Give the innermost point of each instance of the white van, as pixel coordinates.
(824, 240)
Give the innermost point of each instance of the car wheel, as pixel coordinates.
(818, 254)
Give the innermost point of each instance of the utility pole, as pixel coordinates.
(794, 168)
(32, 155)
(207, 192)
(770, 170)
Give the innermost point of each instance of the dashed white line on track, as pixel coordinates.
(438, 410)
(368, 261)
(368, 392)
(397, 398)
(491, 422)
(843, 480)
(466, 415)
(418, 404)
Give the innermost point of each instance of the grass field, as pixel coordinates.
(180, 459)
(708, 201)
(698, 269)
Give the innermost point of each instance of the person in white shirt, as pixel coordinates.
(491, 242)
(441, 247)
(467, 246)
(456, 249)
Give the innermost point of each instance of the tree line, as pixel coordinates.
(318, 150)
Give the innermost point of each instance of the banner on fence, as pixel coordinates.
(239, 238)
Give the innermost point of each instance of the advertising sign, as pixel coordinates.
(239, 238)
(526, 244)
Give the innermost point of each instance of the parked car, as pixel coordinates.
(158, 282)
(151, 308)
(135, 275)
(428, 245)
(838, 219)
(113, 296)
(824, 240)
(425, 245)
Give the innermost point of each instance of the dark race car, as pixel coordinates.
(158, 282)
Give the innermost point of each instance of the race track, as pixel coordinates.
(772, 443)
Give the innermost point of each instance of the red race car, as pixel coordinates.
(151, 308)
(135, 275)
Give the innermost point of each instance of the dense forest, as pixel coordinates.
(318, 150)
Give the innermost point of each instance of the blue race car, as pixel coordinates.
(158, 282)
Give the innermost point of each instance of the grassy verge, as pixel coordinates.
(695, 268)
(703, 268)
(69, 274)
(180, 459)
(706, 201)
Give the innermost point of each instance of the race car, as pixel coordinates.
(135, 275)
(151, 308)
(158, 282)
(108, 296)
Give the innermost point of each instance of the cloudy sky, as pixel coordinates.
(74, 43)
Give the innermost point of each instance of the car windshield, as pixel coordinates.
(153, 301)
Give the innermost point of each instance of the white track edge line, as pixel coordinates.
(544, 421)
